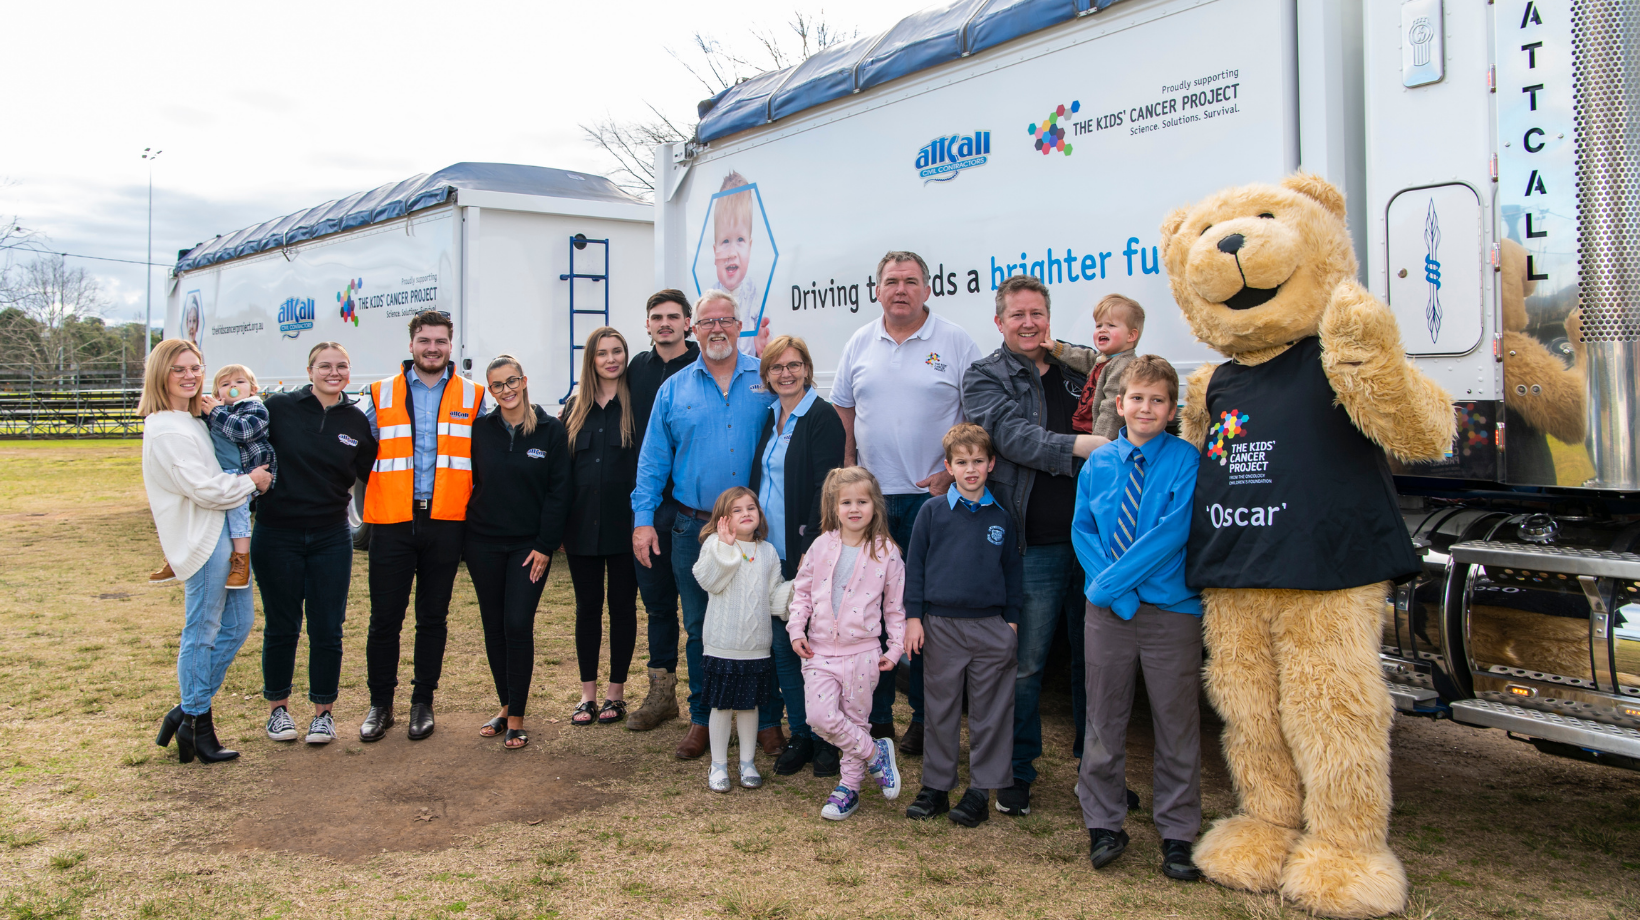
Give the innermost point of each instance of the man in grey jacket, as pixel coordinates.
(1023, 395)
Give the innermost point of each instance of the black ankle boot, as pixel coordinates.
(202, 740)
(168, 726)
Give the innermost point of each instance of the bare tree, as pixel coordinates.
(629, 143)
(46, 302)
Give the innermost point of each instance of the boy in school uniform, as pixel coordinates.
(964, 585)
(1118, 322)
(1129, 529)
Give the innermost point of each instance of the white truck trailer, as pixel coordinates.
(526, 260)
(1490, 157)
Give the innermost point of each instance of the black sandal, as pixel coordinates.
(493, 727)
(516, 734)
(613, 711)
(588, 707)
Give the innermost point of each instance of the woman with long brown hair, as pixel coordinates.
(189, 494)
(598, 539)
(515, 521)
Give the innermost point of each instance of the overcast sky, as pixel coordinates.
(265, 109)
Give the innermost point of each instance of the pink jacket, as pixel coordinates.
(873, 598)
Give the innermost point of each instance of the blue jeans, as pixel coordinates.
(788, 672)
(215, 624)
(1053, 604)
(239, 516)
(902, 514)
(692, 598)
(660, 593)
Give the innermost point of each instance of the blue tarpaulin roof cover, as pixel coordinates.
(922, 40)
(397, 199)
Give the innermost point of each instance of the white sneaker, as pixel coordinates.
(717, 778)
(280, 726)
(749, 777)
(842, 802)
(884, 769)
(322, 730)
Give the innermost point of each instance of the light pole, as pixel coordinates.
(149, 154)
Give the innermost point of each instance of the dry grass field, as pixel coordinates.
(95, 821)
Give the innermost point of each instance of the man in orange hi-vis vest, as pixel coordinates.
(416, 504)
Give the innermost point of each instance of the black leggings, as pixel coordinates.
(506, 604)
(587, 573)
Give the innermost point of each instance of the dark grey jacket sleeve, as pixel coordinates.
(990, 401)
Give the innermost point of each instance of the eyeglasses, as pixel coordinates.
(178, 370)
(329, 368)
(511, 383)
(780, 370)
(720, 322)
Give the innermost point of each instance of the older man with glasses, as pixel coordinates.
(702, 435)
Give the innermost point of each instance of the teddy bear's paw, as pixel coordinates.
(1331, 881)
(1245, 852)
(1356, 327)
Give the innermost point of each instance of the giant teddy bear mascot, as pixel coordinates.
(1295, 535)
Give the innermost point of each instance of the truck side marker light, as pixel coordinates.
(1631, 712)
(1518, 690)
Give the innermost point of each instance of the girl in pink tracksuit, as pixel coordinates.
(848, 593)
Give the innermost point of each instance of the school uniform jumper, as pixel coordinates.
(964, 579)
(846, 603)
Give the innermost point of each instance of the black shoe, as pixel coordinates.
(912, 741)
(201, 740)
(1176, 861)
(882, 730)
(421, 720)
(168, 726)
(376, 723)
(826, 759)
(1015, 801)
(797, 755)
(973, 810)
(930, 803)
(1132, 800)
(1104, 846)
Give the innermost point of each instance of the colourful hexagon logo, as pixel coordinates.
(1049, 134)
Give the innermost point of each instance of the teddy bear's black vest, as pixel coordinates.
(1290, 494)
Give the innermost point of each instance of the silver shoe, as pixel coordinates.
(749, 777)
(717, 778)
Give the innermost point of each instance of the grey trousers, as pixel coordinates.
(1168, 646)
(983, 653)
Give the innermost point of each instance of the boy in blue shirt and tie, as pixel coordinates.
(1129, 529)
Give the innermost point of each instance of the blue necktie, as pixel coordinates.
(1127, 520)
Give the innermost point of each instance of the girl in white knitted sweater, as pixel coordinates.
(740, 571)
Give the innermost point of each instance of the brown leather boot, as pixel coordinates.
(164, 576)
(693, 744)
(239, 571)
(772, 741)
(659, 706)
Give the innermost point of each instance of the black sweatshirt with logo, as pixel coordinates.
(321, 452)
(521, 483)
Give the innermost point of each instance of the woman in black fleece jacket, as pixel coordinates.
(515, 520)
(301, 547)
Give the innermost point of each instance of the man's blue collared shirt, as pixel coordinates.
(700, 438)
(1152, 569)
(771, 491)
(952, 496)
(424, 403)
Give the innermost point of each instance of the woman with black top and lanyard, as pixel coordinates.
(301, 546)
(515, 521)
(598, 539)
(802, 441)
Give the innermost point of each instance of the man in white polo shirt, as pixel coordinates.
(898, 390)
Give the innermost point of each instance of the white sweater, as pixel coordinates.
(743, 594)
(187, 490)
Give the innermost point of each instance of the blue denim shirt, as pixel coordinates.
(1151, 571)
(704, 441)
(771, 490)
(424, 403)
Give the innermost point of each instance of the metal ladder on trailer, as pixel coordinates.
(577, 243)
